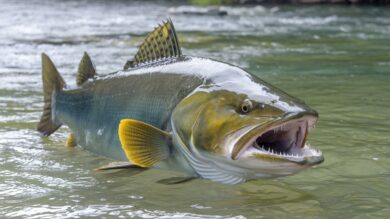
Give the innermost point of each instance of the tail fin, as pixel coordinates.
(52, 81)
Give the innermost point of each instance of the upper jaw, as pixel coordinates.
(283, 139)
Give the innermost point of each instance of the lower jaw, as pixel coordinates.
(304, 155)
(257, 166)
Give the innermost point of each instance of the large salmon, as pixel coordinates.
(200, 116)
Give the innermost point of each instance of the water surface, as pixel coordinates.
(335, 58)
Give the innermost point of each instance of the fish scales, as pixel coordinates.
(94, 110)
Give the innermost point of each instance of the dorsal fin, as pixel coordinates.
(86, 70)
(161, 43)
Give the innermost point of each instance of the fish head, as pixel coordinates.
(247, 128)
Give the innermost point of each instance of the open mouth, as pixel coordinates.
(284, 140)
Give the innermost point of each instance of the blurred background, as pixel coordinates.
(252, 2)
(333, 54)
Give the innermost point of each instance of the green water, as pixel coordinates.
(335, 58)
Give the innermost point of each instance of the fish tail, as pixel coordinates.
(52, 83)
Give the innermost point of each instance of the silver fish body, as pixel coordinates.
(203, 117)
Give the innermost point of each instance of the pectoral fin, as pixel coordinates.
(144, 145)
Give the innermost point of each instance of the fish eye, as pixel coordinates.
(246, 107)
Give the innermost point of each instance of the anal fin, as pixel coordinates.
(143, 144)
(71, 141)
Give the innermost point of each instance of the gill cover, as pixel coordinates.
(198, 123)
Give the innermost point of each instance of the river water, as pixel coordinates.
(336, 58)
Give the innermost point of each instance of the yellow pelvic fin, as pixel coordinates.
(86, 70)
(161, 43)
(144, 145)
(71, 141)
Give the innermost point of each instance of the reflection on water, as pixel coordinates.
(335, 58)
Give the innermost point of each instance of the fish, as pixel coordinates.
(198, 116)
